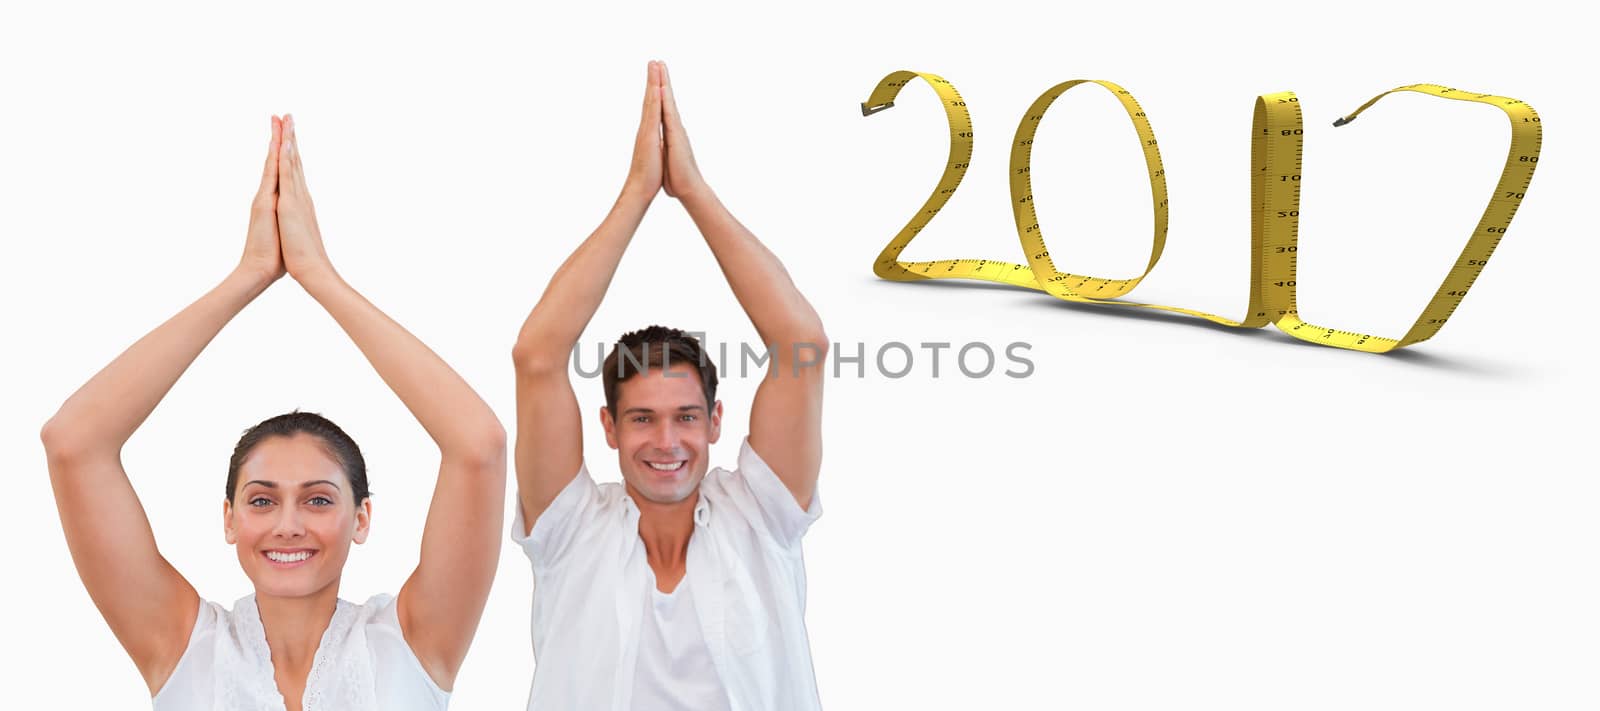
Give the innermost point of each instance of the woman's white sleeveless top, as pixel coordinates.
(362, 664)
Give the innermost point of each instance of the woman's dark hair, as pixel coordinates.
(333, 440)
(636, 351)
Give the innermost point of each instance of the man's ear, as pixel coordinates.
(716, 423)
(228, 533)
(363, 521)
(610, 426)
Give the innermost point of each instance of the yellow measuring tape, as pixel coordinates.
(1275, 156)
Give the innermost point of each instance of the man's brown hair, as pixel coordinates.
(638, 351)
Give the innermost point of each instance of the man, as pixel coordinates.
(678, 589)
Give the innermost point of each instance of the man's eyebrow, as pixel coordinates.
(646, 410)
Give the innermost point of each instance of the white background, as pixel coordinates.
(1166, 514)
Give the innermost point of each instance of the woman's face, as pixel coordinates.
(293, 518)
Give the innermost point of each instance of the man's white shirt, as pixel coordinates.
(674, 671)
(747, 578)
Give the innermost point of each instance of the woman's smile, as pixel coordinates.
(288, 558)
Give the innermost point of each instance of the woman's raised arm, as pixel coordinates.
(150, 607)
(440, 605)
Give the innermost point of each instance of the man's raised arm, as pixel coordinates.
(549, 447)
(786, 417)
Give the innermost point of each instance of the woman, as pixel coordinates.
(296, 501)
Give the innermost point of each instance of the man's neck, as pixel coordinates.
(665, 530)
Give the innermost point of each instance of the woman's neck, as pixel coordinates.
(294, 627)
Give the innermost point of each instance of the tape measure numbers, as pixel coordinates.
(1275, 162)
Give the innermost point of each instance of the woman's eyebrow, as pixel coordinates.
(305, 485)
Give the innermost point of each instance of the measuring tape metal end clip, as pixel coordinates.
(870, 110)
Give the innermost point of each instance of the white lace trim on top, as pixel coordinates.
(228, 664)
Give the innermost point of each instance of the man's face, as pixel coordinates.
(293, 519)
(662, 432)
